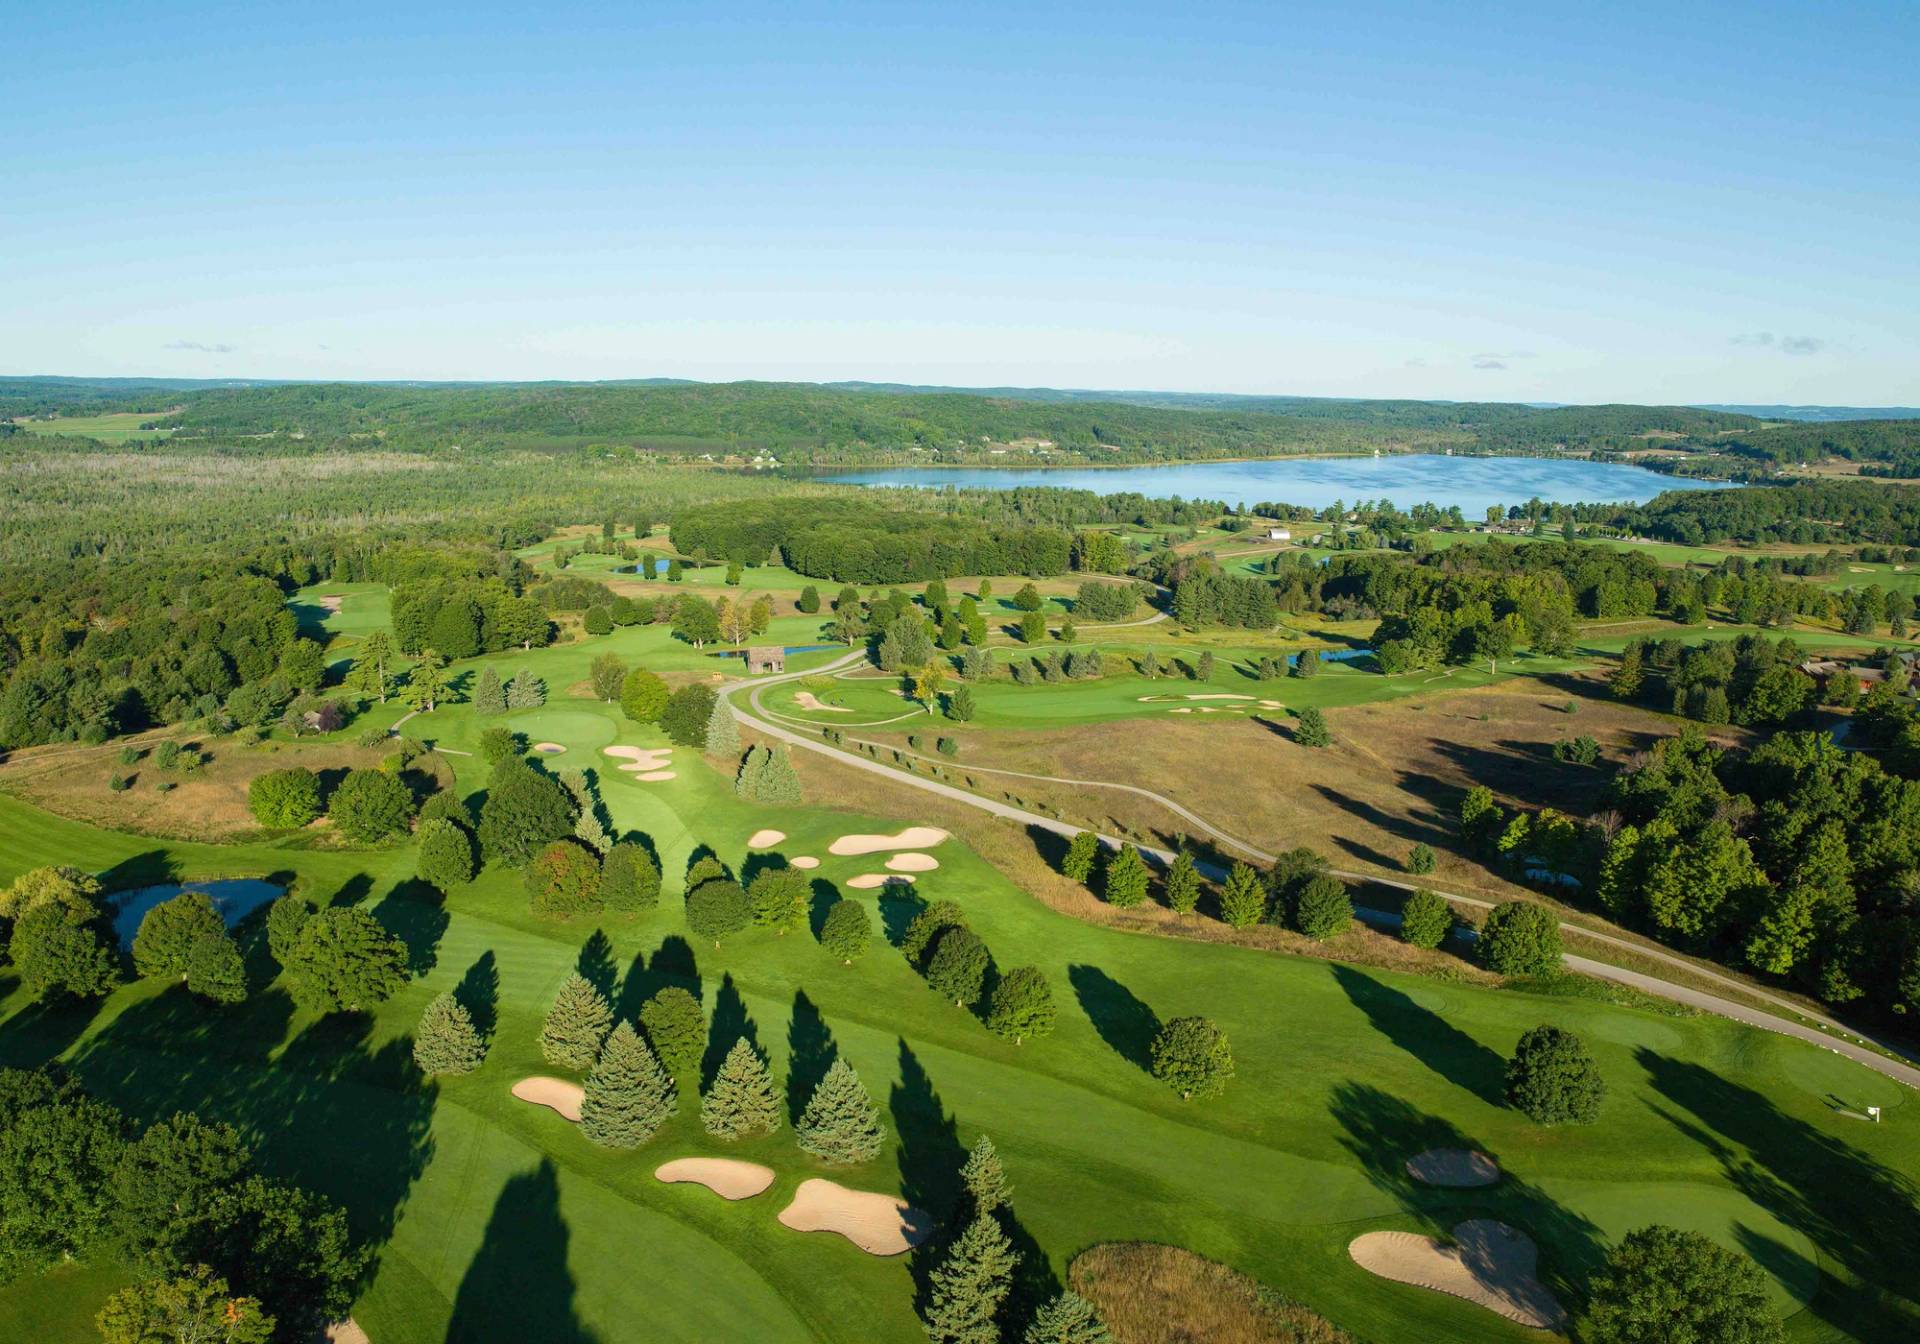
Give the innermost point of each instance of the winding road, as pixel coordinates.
(1821, 1032)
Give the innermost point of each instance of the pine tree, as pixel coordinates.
(591, 832)
(746, 779)
(489, 696)
(1126, 878)
(376, 654)
(840, 1123)
(742, 1100)
(1183, 884)
(779, 784)
(576, 1025)
(446, 1041)
(985, 1179)
(1313, 730)
(526, 691)
(628, 1095)
(1077, 866)
(1068, 1319)
(1243, 901)
(723, 734)
(970, 1286)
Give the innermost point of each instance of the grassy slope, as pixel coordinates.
(1341, 1074)
(114, 428)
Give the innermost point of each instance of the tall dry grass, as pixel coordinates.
(1153, 1294)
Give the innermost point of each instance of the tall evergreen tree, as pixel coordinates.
(723, 734)
(1077, 866)
(753, 766)
(840, 1123)
(741, 1101)
(1126, 878)
(985, 1179)
(1243, 901)
(1183, 884)
(970, 1286)
(526, 691)
(779, 785)
(576, 1025)
(489, 694)
(446, 1040)
(628, 1095)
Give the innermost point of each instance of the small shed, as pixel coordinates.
(1279, 534)
(765, 658)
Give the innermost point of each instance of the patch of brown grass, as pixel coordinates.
(1152, 1294)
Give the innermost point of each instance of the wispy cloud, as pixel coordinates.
(202, 347)
(1786, 345)
(1499, 359)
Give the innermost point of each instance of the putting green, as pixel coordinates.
(581, 732)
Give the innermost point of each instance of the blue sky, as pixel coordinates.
(1658, 202)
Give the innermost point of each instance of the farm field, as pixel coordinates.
(489, 1210)
(115, 428)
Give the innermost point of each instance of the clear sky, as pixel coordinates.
(1626, 201)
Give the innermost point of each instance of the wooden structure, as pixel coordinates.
(765, 658)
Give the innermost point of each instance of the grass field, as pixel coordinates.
(490, 1210)
(342, 611)
(495, 1220)
(116, 428)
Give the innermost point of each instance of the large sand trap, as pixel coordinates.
(808, 700)
(639, 758)
(332, 601)
(556, 1094)
(656, 776)
(1461, 1168)
(913, 863)
(549, 748)
(877, 1224)
(722, 1175)
(805, 861)
(762, 839)
(1490, 1264)
(868, 881)
(913, 837)
(1213, 695)
(1184, 709)
(346, 1332)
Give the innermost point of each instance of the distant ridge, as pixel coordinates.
(1818, 413)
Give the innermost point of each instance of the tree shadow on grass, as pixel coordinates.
(672, 963)
(353, 891)
(897, 909)
(416, 914)
(810, 1053)
(1426, 1035)
(147, 869)
(43, 1031)
(731, 1022)
(596, 966)
(479, 993)
(1383, 1131)
(1862, 1214)
(518, 1285)
(1124, 1021)
(930, 1156)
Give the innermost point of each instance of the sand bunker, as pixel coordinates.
(549, 748)
(1490, 1264)
(1213, 695)
(638, 759)
(877, 1224)
(331, 602)
(655, 776)
(808, 700)
(913, 863)
(913, 837)
(762, 839)
(805, 861)
(1271, 704)
(868, 881)
(722, 1175)
(1184, 709)
(346, 1332)
(557, 1094)
(1460, 1168)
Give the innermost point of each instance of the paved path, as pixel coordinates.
(1794, 1025)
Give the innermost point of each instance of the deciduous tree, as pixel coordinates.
(1553, 1080)
(1021, 1005)
(345, 962)
(1191, 1055)
(675, 1027)
(1661, 1283)
(846, 931)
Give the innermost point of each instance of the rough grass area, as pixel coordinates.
(1152, 1294)
(114, 428)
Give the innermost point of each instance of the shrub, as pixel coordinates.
(1520, 938)
(629, 881)
(1324, 910)
(1420, 860)
(119, 783)
(846, 931)
(1553, 1080)
(370, 806)
(446, 854)
(166, 754)
(564, 880)
(1021, 1005)
(129, 755)
(717, 909)
(958, 966)
(1425, 920)
(1191, 1055)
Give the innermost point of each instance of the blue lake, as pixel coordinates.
(235, 898)
(1472, 483)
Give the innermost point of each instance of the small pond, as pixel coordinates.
(234, 897)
